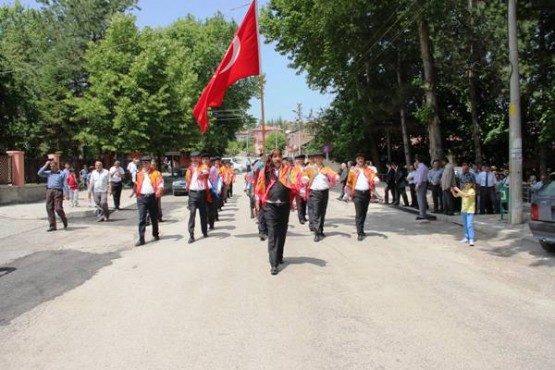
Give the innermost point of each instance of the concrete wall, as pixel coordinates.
(25, 194)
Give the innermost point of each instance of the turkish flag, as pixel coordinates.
(241, 60)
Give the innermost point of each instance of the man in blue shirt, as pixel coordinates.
(56, 190)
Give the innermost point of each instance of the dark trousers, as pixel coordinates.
(390, 188)
(319, 200)
(488, 199)
(212, 211)
(437, 196)
(116, 193)
(448, 202)
(159, 206)
(277, 218)
(147, 204)
(361, 201)
(230, 193)
(343, 183)
(310, 211)
(262, 225)
(402, 193)
(413, 198)
(197, 200)
(55, 204)
(301, 211)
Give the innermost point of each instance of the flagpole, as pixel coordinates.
(261, 83)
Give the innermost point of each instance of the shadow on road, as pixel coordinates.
(42, 276)
(302, 260)
(6, 270)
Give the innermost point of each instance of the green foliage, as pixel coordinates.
(276, 140)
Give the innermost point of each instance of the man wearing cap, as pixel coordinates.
(57, 188)
(319, 179)
(214, 186)
(197, 186)
(149, 187)
(360, 183)
(302, 196)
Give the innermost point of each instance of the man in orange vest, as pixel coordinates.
(320, 179)
(197, 186)
(360, 184)
(302, 191)
(149, 187)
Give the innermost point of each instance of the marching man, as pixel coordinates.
(149, 188)
(360, 183)
(319, 179)
(197, 186)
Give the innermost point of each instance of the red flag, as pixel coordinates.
(241, 60)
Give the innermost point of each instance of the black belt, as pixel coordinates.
(196, 191)
(147, 195)
(362, 191)
(55, 189)
(321, 191)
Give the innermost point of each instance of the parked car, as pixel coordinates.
(237, 167)
(542, 217)
(179, 185)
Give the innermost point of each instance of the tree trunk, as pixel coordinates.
(366, 119)
(434, 128)
(403, 113)
(472, 90)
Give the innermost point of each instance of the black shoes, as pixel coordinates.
(211, 227)
(302, 222)
(360, 238)
(50, 229)
(317, 238)
(140, 242)
(274, 270)
(191, 239)
(156, 238)
(65, 224)
(205, 235)
(420, 218)
(280, 262)
(263, 236)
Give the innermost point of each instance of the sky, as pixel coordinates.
(284, 88)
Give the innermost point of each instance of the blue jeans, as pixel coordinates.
(468, 225)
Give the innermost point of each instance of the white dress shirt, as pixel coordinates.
(362, 182)
(100, 181)
(195, 184)
(116, 174)
(147, 188)
(320, 182)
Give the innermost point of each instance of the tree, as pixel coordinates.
(276, 140)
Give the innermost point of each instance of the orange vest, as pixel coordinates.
(201, 177)
(354, 173)
(286, 177)
(156, 180)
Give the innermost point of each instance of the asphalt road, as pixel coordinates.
(409, 296)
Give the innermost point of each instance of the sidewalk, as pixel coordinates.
(490, 225)
(37, 211)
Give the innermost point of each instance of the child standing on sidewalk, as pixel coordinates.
(468, 196)
(73, 186)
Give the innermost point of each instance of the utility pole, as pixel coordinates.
(515, 130)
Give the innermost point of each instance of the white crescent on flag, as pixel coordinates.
(236, 45)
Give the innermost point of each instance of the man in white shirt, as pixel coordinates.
(486, 181)
(116, 182)
(100, 187)
(133, 169)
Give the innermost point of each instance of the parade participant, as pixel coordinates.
(309, 205)
(211, 194)
(154, 166)
(223, 175)
(73, 185)
(320, 179)
(262, 225)
(100, 187)
(302, 192)
(116, 180)
(360, 182)
(421, 187)
(229, 179)
(216, 189)
(249, 190)
(275, 191)
(150, 186)
(197, 186)
(219, 167)
(56, 190)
